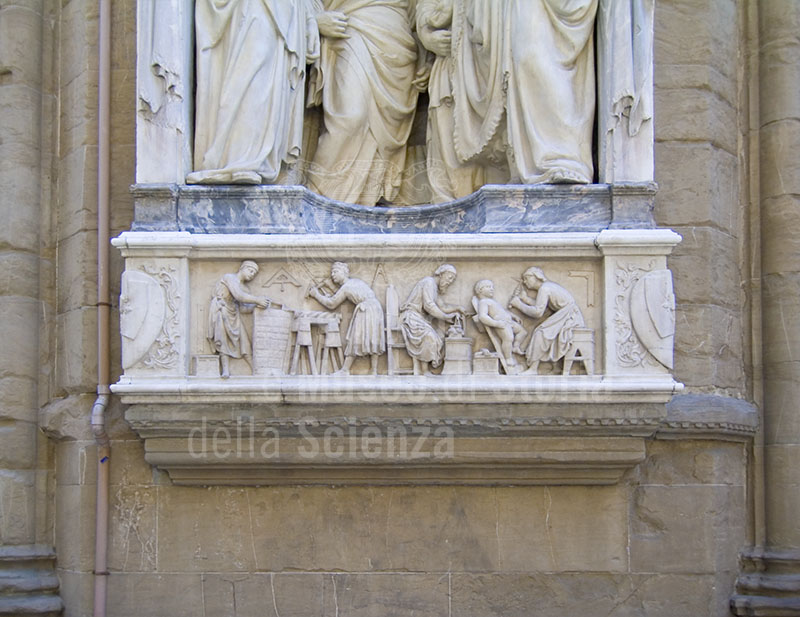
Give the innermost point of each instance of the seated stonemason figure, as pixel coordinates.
(226, 331)
(489, 313)
(551, 339)
(423, 343)
(366, 335)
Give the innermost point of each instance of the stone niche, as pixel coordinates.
(519, 334)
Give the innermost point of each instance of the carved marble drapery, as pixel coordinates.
(624, 91)
(251, 62)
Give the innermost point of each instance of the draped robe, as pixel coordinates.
(364, 83)
(251, 59)
(532, 60)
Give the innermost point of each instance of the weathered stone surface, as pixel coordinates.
(365, 595)
(19, 27)
(421, 529)
(20, 123)
(153, 595)
(19, 274)
(77, 192)
(17, 506)
(19, 333)
(77, 263)
(79, 117)
(208, 530)
(783, 495)
(266, 594)
(18, 444)
(686, 529)
(562, 529)
(20, 179)
(694, 462)
(781, 392)
(133, 524)
(19, 397)
(697, 32)
(74, 530)
(76, 360)
(779, 62)
(67, 418)
(781, 306)
(780, 174)
(700, 188)
(706, 268)
(567, 594)
(778, 215)
(77, 55)
(692, 115)
(708, 347)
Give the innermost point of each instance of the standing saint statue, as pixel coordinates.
(366, 335)
(231, 298)
(551, 339)
(364, 80)
(251, 66)
(530, 63)
(423, 343)
(448, 177)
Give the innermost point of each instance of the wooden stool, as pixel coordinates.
(580, 350)
(303, 339)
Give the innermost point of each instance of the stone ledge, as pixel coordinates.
(404, 391)
(273, 444)
(716, 416)
(296, 210)
(411, 459)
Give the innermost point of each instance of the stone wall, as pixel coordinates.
(662, 542)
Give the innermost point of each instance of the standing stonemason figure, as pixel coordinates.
(251, 66)
(551, 339)
(423, 343)
(226, 330)
(366, 335)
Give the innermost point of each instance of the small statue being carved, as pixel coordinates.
(507, 326)
(551, 338)
(423, 343)
(366, 335)
(225, 328)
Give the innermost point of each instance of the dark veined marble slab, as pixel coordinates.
(296, 210)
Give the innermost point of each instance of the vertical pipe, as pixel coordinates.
(103, 310)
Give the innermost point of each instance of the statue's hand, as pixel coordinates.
(439, 42)
(332, 24)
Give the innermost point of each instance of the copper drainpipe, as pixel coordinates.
(98, 419)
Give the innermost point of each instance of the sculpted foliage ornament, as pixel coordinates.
(163, 353)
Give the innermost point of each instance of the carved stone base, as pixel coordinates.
(768, 586)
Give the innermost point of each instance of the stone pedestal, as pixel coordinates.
(458, 356)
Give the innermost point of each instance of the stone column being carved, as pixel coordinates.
(770, 581)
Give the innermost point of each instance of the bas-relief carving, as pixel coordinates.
(644, 316)
(149, 318)
(510, 85)
(142, 310)
(290, 337)
(653, 314)
(226, 330)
